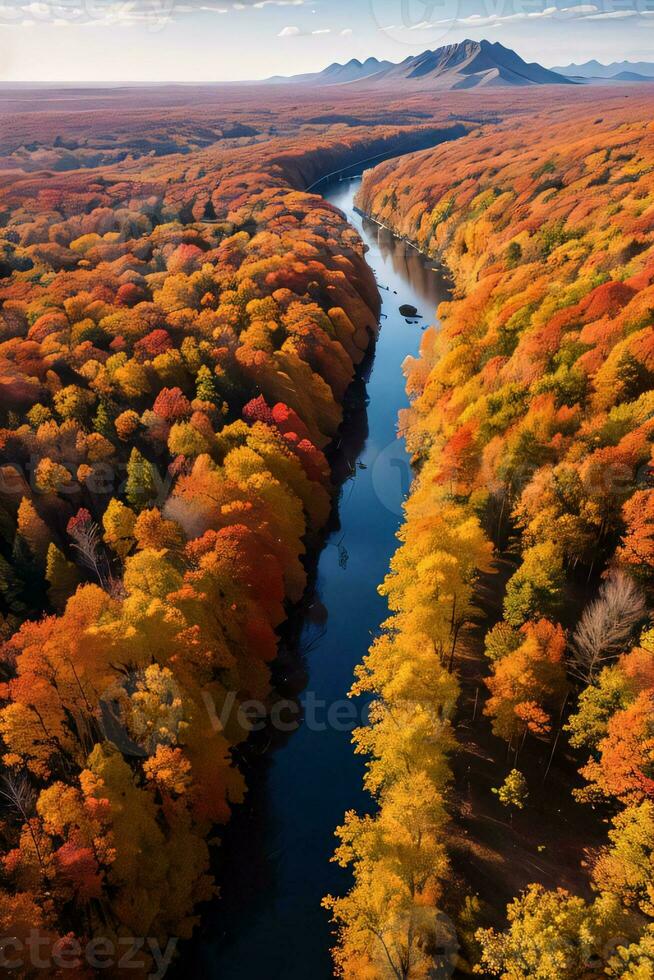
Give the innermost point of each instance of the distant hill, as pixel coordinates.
(621, 71)
(631, 76)
(336, 74)
(466, 65)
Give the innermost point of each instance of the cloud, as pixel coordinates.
(296, 32)
(548, 13)
(346, 32)
(152, 13)
(616, 15)
(580, 12)
(260, 4)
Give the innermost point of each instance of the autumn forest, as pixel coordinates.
(189, 317)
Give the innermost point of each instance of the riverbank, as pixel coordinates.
(514, 418)
(269, 921)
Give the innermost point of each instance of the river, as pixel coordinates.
(270, 924)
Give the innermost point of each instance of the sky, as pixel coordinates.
(222, 40)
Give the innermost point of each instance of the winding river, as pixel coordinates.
(270, 923)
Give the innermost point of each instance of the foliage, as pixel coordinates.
(532, 404)
(146, 566)
(528, 683)
(553, 935)
(514, 791)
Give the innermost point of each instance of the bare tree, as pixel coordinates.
(607, 625)
(86, 537)
(19, 796)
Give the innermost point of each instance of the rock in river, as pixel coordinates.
(407, 310)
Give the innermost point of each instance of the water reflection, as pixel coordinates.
(427, 281)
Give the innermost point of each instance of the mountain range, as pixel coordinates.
(466, 65)
(617, 71)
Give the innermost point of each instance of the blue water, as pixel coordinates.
(270, 924)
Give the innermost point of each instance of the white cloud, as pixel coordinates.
(154, 13)
(346, 32)
(581, 12)
(615, 15)
(293, 31)
(260, 4)
(475, 20)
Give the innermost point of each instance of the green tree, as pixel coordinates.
(140, 488)
(206, 389)
(513, 792)
(612, 692)
(62, 575)
(501, 641)
(103, 422)
(513, 254)
(535, 589)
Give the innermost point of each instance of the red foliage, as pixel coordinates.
(288, 420)
(155, 343)
(257, 411)
(80, 522)
(78, 866)
(172, 404)
(185, 258)
(129, 294)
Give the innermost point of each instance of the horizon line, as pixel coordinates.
(155, 83)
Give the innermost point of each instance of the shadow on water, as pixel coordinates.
(274, 867)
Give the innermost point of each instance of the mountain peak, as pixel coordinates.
(461, 65)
